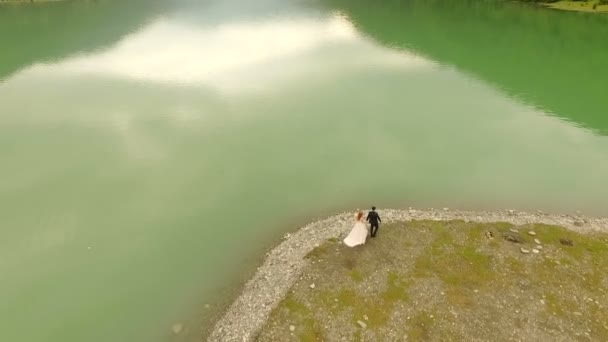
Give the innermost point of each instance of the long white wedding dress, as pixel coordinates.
(357, 235)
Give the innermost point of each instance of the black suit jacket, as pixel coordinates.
(373, 218)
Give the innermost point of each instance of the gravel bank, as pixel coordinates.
(284, 264)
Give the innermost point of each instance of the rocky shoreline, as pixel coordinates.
(283, 265)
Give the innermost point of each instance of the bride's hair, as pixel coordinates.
(359, 215)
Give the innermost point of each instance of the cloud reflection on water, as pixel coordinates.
(174, 77)
(231, 56)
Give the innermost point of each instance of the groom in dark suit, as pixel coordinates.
(374, 219)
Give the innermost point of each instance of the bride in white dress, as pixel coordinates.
(358, 234)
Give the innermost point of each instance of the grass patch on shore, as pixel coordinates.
(581, 6)
(427, 280)
(420, 326)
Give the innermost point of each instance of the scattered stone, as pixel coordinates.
(362, 324)
(511, 237)
(177, 328)
(525, 251)
(489, 235)
(312, 286)
(539, 247)
(537, 241)
(542, 301)
(566, 242)
(535, 251)
(446, 209)
(514, 230)
(532, 233)
(365, 317)
(292, 328)
(576, 313)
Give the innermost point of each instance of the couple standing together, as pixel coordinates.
(358, 234)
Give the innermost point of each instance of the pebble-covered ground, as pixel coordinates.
(290, 267)
(451, 281)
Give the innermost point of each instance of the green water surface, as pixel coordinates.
(151, 151)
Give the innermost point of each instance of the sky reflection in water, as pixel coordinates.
(167, 150)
